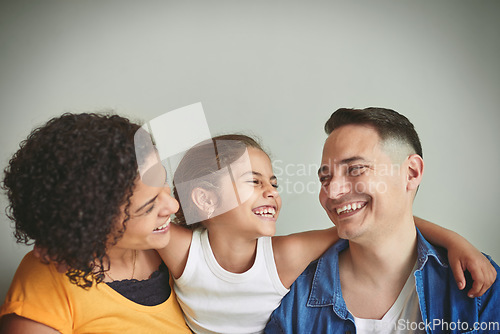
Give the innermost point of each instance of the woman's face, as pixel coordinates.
(149, 223)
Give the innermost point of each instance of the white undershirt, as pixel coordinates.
(403, 317)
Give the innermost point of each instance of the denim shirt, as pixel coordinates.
(315, 303)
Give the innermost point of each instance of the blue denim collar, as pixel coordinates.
(426, 250)
(326, 289)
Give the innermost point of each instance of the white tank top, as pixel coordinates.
(217, 301)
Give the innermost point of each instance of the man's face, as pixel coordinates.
(363, 192)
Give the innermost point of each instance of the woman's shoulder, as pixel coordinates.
(37, 292)
(36, 276)
(31, 263)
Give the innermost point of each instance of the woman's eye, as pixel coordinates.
(150, 209)
(276, 186)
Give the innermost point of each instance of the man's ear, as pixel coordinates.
(205, 200)
(415, 171)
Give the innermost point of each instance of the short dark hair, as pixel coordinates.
(66, 186)
(388, 123)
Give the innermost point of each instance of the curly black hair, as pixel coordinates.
(67, 185)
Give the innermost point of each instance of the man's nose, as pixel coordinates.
(337, 187)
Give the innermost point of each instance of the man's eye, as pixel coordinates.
(324, 179)
(356, 170)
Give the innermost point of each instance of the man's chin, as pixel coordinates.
(347, 232)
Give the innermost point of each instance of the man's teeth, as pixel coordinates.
(265, 212)
(163, 226)
(349, 208)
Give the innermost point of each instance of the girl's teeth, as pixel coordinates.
(267, 212)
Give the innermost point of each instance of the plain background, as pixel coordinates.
(277, 70)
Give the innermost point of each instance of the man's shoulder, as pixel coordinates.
(328, 259)
(427, 251)
(306, 277)
(436, 285)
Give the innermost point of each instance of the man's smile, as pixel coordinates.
(348, 209)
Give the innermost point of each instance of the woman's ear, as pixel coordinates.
(415, 171)
(205, 200)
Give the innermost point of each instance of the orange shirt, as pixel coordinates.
(40, 293)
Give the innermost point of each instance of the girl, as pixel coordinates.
(230, 271)
(75, 190)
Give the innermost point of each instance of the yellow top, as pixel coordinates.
(40, 293)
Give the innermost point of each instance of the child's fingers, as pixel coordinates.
(458, 273)
(477, 286)
(484, 274)
(478, 276)
(62, 268)
(486, 284)
(41, 254)
(490, 276)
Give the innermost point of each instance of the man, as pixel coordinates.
(385, 277)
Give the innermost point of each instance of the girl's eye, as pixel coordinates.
(257, 182)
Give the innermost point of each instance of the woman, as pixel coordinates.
(74, 189)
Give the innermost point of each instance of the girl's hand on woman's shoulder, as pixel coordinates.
(41, 254)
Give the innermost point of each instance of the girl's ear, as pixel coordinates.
(205, 200)
(415, 171)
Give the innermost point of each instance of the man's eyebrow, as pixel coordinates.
(146, 204)
(353, 159)
(325, 168)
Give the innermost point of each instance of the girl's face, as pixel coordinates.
(252, 197)
(149, 223)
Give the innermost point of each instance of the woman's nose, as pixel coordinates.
(169, 204)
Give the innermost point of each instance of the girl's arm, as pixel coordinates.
(294, 252)
(175, 254)
(462, 256)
